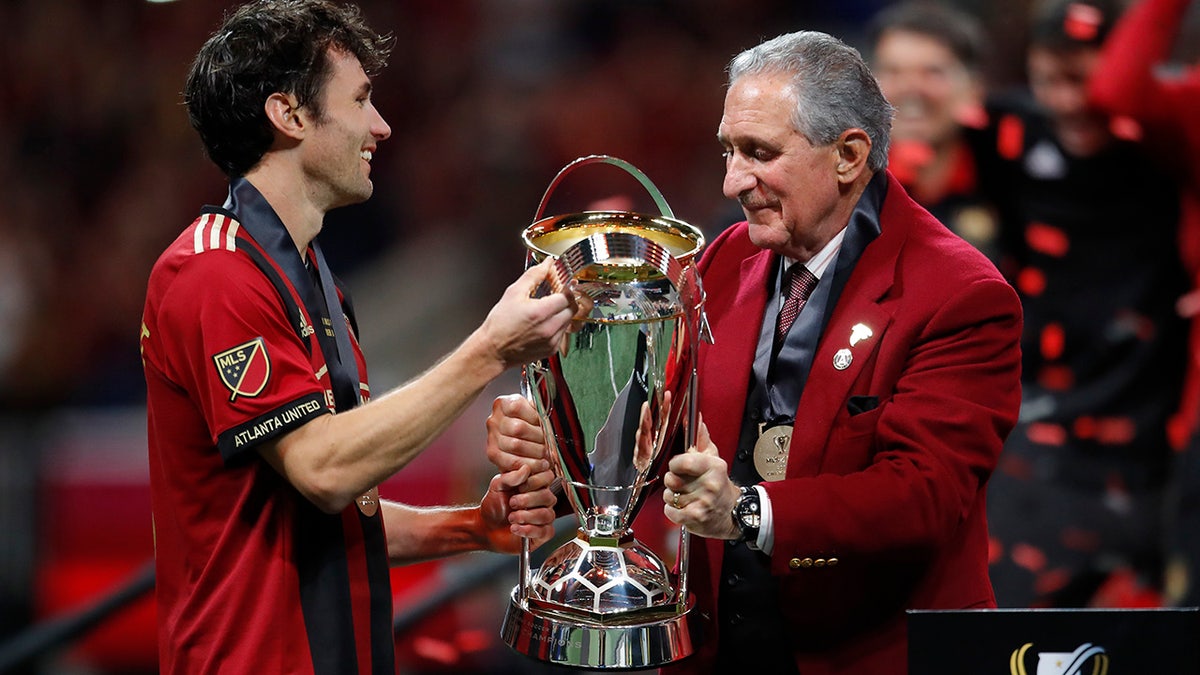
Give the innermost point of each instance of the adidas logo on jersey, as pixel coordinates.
(306, 329)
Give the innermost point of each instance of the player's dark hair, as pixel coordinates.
(266, 47)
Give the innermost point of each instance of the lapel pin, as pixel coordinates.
(859, 333)
(842, 359)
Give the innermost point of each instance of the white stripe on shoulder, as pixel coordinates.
(214, 236)
(231, 235)
(198, 235)
(221, 234)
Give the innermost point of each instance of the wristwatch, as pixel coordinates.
(747, 514)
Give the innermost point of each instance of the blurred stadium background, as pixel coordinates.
(487, 99)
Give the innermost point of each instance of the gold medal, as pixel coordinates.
(368, 502)
(771, 452)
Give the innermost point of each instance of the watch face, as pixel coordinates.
(747, 510)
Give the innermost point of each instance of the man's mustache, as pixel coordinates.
(748, 201)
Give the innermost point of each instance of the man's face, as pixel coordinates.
(787, 186)
(930, 88)
(338, 153)
(1058, 80)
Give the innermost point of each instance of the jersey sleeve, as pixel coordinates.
(231, 347)
(1128, 83)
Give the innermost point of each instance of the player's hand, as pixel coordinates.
(521, 328)
(698, 492)
(516, 446)
(514, 436)
(512, 511)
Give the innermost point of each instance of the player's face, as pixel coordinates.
(787, 186)
(929, 86)
(345, 137)
(1059, 83)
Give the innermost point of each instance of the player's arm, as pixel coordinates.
(333, 458)
(516, 504)
(1126, 82)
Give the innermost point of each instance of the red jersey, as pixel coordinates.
(251, 576)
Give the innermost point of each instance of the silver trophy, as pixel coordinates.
(612, 404)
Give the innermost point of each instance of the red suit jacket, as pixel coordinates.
(883, 510)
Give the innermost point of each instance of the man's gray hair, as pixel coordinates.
(835, 89)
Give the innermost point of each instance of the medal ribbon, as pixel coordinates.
(261, 222)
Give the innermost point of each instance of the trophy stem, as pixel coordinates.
(689, 437)
(523, 572)
(681, 581)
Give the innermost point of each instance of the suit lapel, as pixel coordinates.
(838, 364)
(830, 382)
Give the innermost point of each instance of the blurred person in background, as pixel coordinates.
(272, 544)
(928, 57)
(839, 477)
(1140, 81)
(1090, 221)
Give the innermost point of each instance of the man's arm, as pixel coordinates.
(938, 440)
(516, 505)
(1142, 40)
(334, 458)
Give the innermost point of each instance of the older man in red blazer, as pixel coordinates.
(842, 480)
(863, 376)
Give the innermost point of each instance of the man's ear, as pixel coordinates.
(283, 111)
(853, 147)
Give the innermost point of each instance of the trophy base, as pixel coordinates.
(613, 644)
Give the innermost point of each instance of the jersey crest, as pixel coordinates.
(244, 369)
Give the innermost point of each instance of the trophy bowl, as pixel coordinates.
(612, 405)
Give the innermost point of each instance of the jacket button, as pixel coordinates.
(831, 562)
(798, 563)
(819, 562)
(794, 563)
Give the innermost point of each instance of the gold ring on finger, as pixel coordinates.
(675, 500)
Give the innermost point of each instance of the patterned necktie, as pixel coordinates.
(801, 283)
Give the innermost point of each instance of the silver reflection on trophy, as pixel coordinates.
(613, 405)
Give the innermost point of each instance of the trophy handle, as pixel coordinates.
(702, 327)
(632, 170)
(524, 572)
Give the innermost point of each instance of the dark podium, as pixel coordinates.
(1054, 642)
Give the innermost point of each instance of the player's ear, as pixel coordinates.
(283, 111)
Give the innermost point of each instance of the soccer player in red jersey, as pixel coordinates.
(272, 545)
